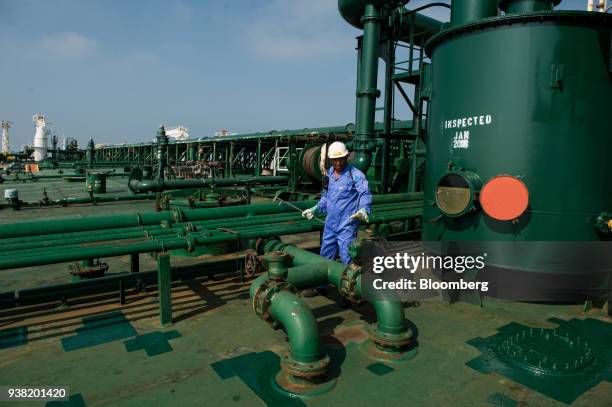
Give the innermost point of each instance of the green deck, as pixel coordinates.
(218, 353)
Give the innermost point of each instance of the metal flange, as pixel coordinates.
(262, 298)
(304, 370)
(393, 342)
(348, 283)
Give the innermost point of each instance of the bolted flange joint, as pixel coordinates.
(262, 298)
(391, 342)
(304, 371)
(348, 283)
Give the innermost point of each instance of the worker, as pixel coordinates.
(346, 199)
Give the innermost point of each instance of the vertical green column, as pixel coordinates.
(90, 153)
(230, 162)
(367, 92)
(292, 166)
(258, 160)
(388, 115)
(164, 288)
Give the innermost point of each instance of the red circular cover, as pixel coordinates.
(504, 197)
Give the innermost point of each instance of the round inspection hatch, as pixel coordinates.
(504, 198)
(545, 351)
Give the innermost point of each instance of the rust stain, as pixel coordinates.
(353, 333)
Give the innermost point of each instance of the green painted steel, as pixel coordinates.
(311, 270)
(159, 185)
(468, 11)
(562, 363)
(300, 324)
(172, 241)
(525, 111)
(162, 153)
(64, 226)
(78, 239)
(164, 288)
(528, 132)
(363, 140)
(187, 241)
(95, 182)
(527, 6)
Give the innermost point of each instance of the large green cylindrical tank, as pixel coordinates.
(524, 99)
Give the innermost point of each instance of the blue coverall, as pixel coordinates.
(344, 196)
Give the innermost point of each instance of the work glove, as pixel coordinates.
(361, 215)
(309, 213)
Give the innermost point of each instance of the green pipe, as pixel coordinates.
(227, 222)
(367, 91)
(312, 275)
(81, 224)
(56, 176)
(257, 225)
(300, 325)
(298, 321)
(151, 218)
(257, 229)
(238, 225)
(161, 244)
(173, 233)
(390, 317)
(387, 114)
(13, 249)
(86, 200)
(389, 314)
(425, 27)
(159, 185)
(233, 224)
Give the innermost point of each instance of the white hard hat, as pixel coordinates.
(337, 150)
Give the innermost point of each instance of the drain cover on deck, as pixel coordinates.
(561, 363)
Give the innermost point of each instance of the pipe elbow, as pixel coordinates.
(300, 325)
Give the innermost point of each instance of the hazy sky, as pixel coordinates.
(115, 69)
